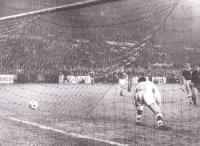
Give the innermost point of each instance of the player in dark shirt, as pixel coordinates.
(195, 82)
(122, 73)
(187, 74)
(196, 77)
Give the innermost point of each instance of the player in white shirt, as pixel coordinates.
(122, 76)
(147, 94)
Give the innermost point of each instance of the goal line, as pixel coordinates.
(74, 135)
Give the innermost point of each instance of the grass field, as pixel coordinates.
(92, 115)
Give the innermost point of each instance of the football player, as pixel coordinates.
(122, 76)
(195, 82)
(130, 78)
(186, 77)
(147, 94)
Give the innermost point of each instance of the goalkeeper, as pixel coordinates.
(147, 94)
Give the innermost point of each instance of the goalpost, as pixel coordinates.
(57, 9)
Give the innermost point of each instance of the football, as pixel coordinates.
(33, 104)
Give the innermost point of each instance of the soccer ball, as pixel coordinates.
(33, 104)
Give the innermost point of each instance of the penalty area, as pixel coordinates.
(74, 135)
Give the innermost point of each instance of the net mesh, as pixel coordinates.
(78, 41)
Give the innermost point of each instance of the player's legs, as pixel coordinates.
(195, 93)
(150, 101)
(140, 109)
(122, 84)
(156, 110)
(139, 105)
(188, 89)
(122, 90)
(130, 82)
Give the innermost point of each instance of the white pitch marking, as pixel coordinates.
(65, 133)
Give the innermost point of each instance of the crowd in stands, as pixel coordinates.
(111, 76)
(30, 57)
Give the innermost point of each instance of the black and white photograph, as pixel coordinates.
(99, 72)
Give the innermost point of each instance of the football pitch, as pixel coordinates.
(94, 115)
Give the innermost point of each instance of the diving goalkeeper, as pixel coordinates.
(147, 94)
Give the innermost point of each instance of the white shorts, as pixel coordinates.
(187, 83)
(122, 82)
(145, 98)
(188, 87)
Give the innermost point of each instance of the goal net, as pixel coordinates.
(68, 62)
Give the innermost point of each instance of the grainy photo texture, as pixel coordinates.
(99, 72)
